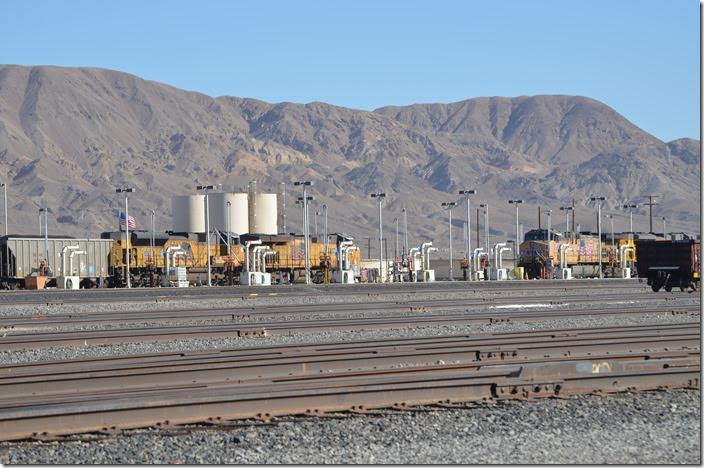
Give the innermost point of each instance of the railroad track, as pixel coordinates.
(215, 387)
(18, 339)
(93, 296)
(255, 311)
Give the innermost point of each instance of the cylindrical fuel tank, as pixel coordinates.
(263, 213)
(238, 212)
(188, 213)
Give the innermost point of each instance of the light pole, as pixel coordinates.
(380, 197)
(325, 229)
(126, 190)
(466, 194)
(205, 189)
(629, 207)
(549, 225)
(229, 228)
(306, 229)
(486, 226)
(315, 223)
(405, 230)
(517, 251)
(567, 210)
(299, 201)
(7, 245)
(153, 244)
(611, 217)
(46, 235)
(448, 206)
(305, 184)
(598, 201)
(396, 242)
(4, 191)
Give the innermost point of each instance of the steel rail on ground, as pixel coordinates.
(517, 365)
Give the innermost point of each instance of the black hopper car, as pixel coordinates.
(669, 263)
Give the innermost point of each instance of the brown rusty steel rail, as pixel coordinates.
(608, 359)
(254, 311)
(240, 365)
(13, 339)
(93, 296)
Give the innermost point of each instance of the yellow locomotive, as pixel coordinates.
(540, 257)
(147, 262)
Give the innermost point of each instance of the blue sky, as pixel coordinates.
(640, 57)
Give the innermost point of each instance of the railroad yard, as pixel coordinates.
(581, 371)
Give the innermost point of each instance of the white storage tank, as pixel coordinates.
(239, 212)
(263, 213)
(188, 213)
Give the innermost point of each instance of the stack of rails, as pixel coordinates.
(24, 338)
(245, 292)
(66, 397)
(499, 307)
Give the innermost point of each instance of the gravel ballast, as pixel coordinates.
(652, 427)
(643, 428)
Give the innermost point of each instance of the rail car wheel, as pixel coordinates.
(668, 287)
(655, 287)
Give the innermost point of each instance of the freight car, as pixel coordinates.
(669, 263)
(23, 256)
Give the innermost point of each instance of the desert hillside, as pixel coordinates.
(69, 136)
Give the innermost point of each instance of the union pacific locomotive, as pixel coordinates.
(103, 262)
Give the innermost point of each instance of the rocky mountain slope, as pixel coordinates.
(69, 136)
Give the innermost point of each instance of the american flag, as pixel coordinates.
(130, 221)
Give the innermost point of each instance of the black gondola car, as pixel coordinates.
(669, 263)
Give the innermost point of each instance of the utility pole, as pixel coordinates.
(549, 225)
(650, 204)
(574, 214)
(664, 231)
(380, 197)
(466, 194)
(448, 206)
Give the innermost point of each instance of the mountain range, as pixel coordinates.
(70, 136)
